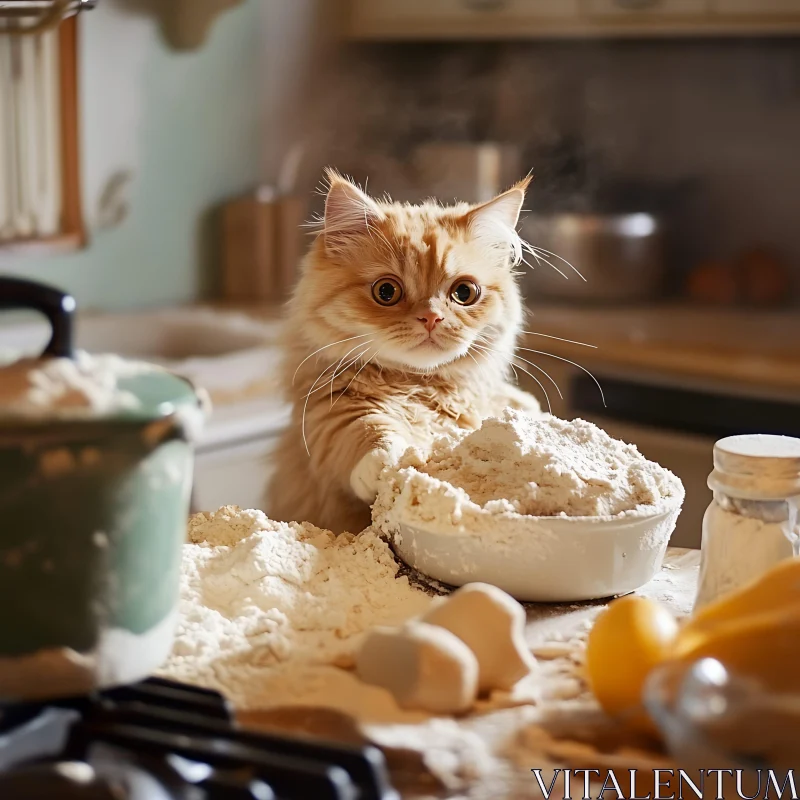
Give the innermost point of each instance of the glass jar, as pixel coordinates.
(752, 522)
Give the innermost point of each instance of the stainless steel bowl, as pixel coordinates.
(620, 256)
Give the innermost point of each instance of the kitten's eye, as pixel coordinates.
(387, 291)
(465, 293)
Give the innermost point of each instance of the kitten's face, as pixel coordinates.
(419, 286)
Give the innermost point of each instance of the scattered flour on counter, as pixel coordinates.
(521, 465)
(268, 612)
(85, 384)
(262, 601)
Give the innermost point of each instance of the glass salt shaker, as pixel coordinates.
(753, 521)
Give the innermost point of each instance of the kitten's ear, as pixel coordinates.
(495, 222)
(348, 210)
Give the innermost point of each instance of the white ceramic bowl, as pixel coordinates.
(554, 559)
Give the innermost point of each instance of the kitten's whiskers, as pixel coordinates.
(336, 371)
(542, 260)
(544, 372)
(560, 339)
(305, 408)
(574, 364)
(541, 250)
(374, 355)
(339, 369)
(473, 358)
(529, 374)
(315, 388)
(325, 347)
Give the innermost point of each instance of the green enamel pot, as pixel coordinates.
(94, 500)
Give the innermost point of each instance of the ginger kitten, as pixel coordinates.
(403, 323)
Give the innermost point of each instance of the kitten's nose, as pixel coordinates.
(430, 319)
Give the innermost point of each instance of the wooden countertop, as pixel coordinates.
(553, 723)
(757, 350)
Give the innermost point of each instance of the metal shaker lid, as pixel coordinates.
(757, 466)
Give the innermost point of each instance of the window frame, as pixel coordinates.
(72, 234)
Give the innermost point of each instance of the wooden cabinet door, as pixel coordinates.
(542, 19)
(463, 10)
(642, 8)
(236, 475)
(755, 8)
(446, 18)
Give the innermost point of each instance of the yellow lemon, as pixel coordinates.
(631, 637)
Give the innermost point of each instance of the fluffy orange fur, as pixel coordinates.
(368, 377)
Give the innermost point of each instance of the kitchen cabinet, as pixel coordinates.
(461, 11)
(758, 8)
(542, 19)
(653, 8)
(452, 18)
(234, 476)
(459, 18)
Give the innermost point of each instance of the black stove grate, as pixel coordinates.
(159, 740)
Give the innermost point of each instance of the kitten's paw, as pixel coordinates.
(364, 477)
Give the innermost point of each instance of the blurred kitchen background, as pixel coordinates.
(157, 159)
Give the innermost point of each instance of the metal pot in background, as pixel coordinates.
(93, 506)
(621, 256)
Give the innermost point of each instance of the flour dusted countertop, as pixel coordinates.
(273, 614)
(261, 601)
(489, 754)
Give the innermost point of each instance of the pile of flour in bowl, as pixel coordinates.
(521, 465)
(261, 599)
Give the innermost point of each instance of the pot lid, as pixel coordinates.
(68, 385)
